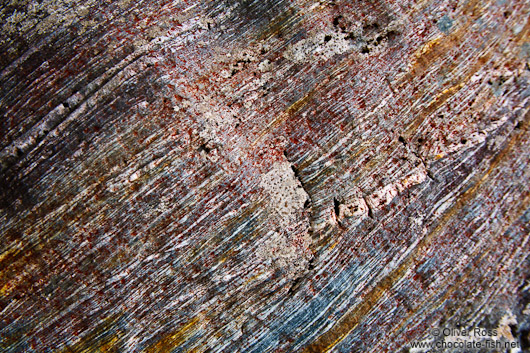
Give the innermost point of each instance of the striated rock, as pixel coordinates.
(263, 176)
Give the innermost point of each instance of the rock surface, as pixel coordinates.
(262, 176)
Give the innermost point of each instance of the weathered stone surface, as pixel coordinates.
(283, 176)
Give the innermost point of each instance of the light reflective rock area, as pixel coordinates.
(264, 176)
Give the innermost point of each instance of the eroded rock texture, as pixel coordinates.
(262, 176)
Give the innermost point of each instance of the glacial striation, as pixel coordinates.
(263, 176)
